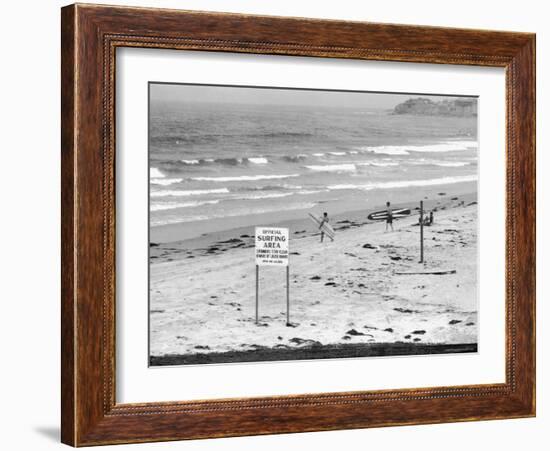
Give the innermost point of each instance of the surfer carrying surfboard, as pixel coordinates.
(389, 217)
(324, 220)
(323, 225)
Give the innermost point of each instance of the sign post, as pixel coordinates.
(421, 231)
(257, 290)
(287, 295)
(272, 250)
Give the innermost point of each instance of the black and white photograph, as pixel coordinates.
(297, 224)
(241, 225)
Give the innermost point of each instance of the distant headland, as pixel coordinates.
(465, 107)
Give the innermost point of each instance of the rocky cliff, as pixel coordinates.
(423, 106)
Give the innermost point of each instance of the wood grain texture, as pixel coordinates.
(68, 298)
(90, 36)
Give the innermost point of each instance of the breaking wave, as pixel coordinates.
(258, 160)
(347, 167)
(174, 205)
(186, 193)
(406, 183)
(155, 173)
(447, 146)
(165, 181)
(244, 178)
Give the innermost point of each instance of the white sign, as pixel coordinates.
(271, 246)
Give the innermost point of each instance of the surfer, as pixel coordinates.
(324, 220)
(389, 217)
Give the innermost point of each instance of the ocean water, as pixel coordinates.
(216, 160)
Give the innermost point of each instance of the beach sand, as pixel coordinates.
(363, 294)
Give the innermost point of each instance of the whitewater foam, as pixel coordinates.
(264, 196)
(388, 150)
(462, 143)
(185, 193)
(444, 164)
(284, 186)
(450, 146)
(346, 167)
(257, 160)
(378, 163)
(174, 205)
(244, 178)
(165, 181)
(155, 173)
(450, 164)
(446, 146)
(406, 183)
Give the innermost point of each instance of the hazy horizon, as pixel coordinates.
(281, 96)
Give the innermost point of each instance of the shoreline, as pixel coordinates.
(243, 236)
(374, 200)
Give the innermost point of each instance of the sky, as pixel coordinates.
(277, 96)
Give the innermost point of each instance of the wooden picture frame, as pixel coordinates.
(90, 412)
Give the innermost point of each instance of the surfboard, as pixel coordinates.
(327, 228)
(383, 214)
